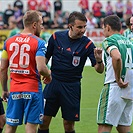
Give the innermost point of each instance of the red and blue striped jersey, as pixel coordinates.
(22, 50)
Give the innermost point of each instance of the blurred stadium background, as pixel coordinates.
(68, 5)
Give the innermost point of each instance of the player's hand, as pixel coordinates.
(5, 95)
(98, 54)
(47, 80)
(122, 84)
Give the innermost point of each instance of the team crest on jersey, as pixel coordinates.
(76, 60)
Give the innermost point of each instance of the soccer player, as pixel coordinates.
(131, 26)
(69, 50)
(2, 116)
(2, 112)
(128, 33)
(45, 35)
(113, 109)
(13, 26)
(24, 55)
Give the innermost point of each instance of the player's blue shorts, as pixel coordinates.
(65, 95)
(1, 108)
(29, 105)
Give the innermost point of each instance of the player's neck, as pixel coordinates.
(69, 34)
(27, 31)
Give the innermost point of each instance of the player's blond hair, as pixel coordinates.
(30, 17)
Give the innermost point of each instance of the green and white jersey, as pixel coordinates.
(45, 36)
(14, 32)
(128, 33)
(125, 47)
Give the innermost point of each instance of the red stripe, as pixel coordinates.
(88, 44)
(54, 36)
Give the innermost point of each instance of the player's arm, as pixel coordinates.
(41, 62)
(41, 66)
(95, 56)
(99, 67)
(43, 69)
(46, 60)
(116, 62)
(4, 74)
(117, 65)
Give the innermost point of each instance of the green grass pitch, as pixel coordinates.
(92, 83)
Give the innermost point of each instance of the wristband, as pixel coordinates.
(100, 62)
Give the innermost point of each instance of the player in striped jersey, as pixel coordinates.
(2, 111)
(128, 32)
(2, 116)
(113, 109)
(24, 55)
(131, 25)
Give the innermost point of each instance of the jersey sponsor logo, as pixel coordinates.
(12, 120)
(76, 60)
(18, 71)
(20, 96)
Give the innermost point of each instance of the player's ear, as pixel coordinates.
(70, 26)
(108, 27)
(34, 25)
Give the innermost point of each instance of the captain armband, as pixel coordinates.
(4, 54)
(111, 48)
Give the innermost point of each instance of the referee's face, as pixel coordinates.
(78, 29)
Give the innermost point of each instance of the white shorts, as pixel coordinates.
(112, 109)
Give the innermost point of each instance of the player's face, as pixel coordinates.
(105, 30)
(39, 27)
(131, 23)
(11, 26)
(78, 29)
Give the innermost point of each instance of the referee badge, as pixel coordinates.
(76, 60)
